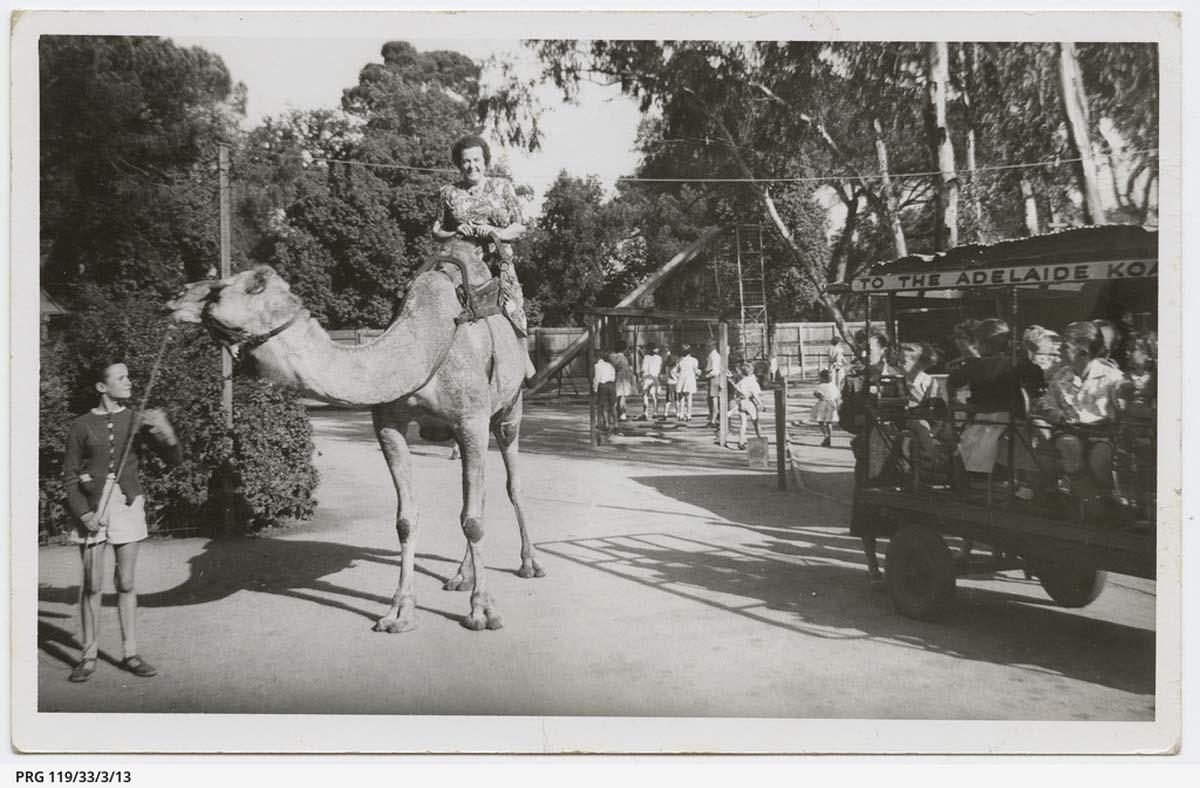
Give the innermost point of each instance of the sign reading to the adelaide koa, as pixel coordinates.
(1008, 275)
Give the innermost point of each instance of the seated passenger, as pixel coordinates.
(915, 358)
(1083, 393)
(991, 380)
(1038, 363)
(968, 348)
(1138, 394)
(1137, 399)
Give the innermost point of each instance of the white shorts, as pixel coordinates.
(126, 523)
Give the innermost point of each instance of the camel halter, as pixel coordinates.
(236, 338)
(133, 428)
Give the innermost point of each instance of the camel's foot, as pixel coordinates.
(530, 568)
(403, 621)
(483, 614)
(459, 583)
(394, 626)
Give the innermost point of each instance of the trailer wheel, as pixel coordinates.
(920, 572)
(1071, 585)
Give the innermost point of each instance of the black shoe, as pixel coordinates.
(84, 670)
(827, 444)
(138, 667)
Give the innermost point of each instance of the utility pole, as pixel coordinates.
(228, 491)
(226, 356)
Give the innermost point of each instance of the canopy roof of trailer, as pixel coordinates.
(1073, 256)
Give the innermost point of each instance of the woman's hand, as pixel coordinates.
(475, 231)
(89, 522)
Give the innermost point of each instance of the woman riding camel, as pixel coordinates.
(484, 210)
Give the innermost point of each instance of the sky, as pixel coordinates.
(305, 73)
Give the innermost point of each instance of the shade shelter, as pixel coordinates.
(602, 328)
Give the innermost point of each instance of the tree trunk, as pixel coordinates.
(968, 57)
(946, 210)
(1074, 104)
(841, 251)
(899, 242)
(874, 199)
(1031, 211)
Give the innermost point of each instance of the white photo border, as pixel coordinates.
(34, 731)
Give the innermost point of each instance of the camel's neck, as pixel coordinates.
(392, 366)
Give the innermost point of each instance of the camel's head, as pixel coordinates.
(243, 308)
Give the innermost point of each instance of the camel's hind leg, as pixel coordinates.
(507, 429)
(474, 441)
(402, 615)
(464, 577)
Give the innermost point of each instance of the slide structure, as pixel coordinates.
(647, 287)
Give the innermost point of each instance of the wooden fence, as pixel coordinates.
(800, 348)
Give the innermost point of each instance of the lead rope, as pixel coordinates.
(133, 425)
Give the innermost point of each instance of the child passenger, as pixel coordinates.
(1084, 392)
(915, 358)
(990, 378)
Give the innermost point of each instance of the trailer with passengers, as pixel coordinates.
(1023, 513)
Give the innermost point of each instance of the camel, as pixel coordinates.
(455, 379)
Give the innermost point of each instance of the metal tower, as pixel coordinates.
(750, 266)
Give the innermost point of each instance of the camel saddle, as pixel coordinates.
(479, 300)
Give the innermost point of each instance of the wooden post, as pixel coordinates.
(891, 319)
(723, 389)
(800, 349)
(593, 438)
(781, 433)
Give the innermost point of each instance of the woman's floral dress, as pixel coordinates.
(493, 201)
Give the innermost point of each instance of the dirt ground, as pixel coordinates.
(679, 582)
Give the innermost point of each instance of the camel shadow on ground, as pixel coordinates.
(287, 567)
(809, 576)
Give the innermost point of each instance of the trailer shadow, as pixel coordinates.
(810, 578)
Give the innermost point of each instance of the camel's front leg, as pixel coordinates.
(507, 430)
(402, 615)
(474, 441)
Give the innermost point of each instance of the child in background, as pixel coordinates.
(749, 402)
(651, 369)
(670, 378)
(686, 371)
(825, 409)
(627, 385)
(604, 387)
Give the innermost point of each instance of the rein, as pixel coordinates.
(133, 428)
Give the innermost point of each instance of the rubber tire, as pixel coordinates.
(920, 573)
(1071, 585)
